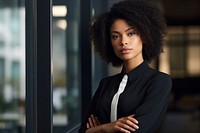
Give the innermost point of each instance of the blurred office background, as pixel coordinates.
(181, 59)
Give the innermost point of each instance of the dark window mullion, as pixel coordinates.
(38, 66)
(85, 56)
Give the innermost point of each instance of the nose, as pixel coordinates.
(124, 41)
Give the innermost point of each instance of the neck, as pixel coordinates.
(128, 66)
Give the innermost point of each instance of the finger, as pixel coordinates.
(132, 119)
(97, 120)
(123, 128)
(94, 121)
(131, 124)
(129, 121)
(88, 125)
(90, 122)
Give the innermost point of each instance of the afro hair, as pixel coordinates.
(146, 18)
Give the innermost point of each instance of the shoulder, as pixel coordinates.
(159, 76)
(161, 80)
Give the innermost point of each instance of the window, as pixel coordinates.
(184, 51)
(12, 66)
(66, 62)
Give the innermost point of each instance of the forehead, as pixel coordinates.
(119, 25)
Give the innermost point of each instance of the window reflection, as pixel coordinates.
(66, 81)
(12, 66)
(184, 51)
(59, 76)
(59, 11)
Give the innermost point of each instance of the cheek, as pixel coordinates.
(114, 44)
(115, 47)
(137, 43)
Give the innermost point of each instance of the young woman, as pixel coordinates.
(130, 35)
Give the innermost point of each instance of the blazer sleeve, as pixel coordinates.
(154, 106)
(91, 109)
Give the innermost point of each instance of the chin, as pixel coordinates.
(126, 58)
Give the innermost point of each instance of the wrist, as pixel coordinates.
(106, 128)
(98, 129)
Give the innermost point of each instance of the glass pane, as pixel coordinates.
(184, 51)
(193, 51)
(99, 67)
(66, 96)
(12, 66)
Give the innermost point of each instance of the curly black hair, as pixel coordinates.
(146, 18)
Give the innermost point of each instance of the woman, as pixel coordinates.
(130, 35)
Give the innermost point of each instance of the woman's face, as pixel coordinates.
(126, 42)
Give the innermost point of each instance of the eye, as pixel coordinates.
(114, 37)
(131, 34)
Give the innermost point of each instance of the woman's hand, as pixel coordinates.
(93, 121)
(124, 124)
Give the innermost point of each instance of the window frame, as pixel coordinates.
(39, 116)
(38, 66)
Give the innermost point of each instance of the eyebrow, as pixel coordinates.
(131, 28)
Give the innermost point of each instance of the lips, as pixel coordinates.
(125, 50)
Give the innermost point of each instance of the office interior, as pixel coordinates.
(49, 71)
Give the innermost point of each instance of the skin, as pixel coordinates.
(124, 124)
(127, 45)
